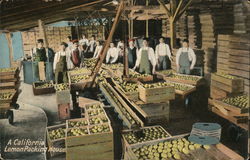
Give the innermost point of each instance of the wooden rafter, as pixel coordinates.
(184, 9)
(178, 9)
(166, 8)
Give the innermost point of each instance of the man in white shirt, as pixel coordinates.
(60, 64)
(92, 45)
(98, 49)
(84, 40)
(162, 54)
(69, 42)
(112, 54)
(145, 57)
(185, 58)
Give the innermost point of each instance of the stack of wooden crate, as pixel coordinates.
(63, 100)
(194, 30)
(55, 35)
(98, 31)
(56, 139)
(181, 29)
(223, 85)
(91, 137)
(239, 58)
(233, 108)
(208, 42)
(9, 79)
(223, 53)
(242, 17)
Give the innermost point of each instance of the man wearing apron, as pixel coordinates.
(145, 59)
(76, 55)
(60, 65)
(185, 58)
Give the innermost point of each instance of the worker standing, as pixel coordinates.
(39, 53)
(98, 49)
(76, 55)
(145, 57)
(112, 54)
(84, 40)
(132, 54)
(185, 58)
(69, 42)
(91, 46)
(163, 55)
(60, 64)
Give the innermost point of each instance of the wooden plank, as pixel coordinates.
(230, 153)
(241, 66)
(232, 108)
(230, 89)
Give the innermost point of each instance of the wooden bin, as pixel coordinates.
(76, 120)
(85, 102)
(181, 92)
(156, 95)
(41, 91)
(58, 143)
(9, 75)
(126, 145)
(131, 95)
(153, 113)
(92, 146)
(79, 85)
(64, 111)
(190, 82)
(229, 85)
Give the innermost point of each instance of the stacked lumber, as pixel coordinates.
(223, 53)
(242, 17)
(239, 58)
(223, 85)
(194, 30)
(55, 35)
(234, 109)
(91, 136)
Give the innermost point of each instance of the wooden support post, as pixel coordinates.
(41, 65)
(77, 28)
(106, 45)
(147, 34)
(172, 32)
(8, 37)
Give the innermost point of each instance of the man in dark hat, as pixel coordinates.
(132, 54)
(39, 53)
(185, 58)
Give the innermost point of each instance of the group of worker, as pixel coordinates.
(145, 59)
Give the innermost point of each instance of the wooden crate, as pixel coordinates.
(164, 73)
(241, 121)
(156, 95)
(153, 113)
(41, 91)
(9, 75)
(230, 85)
(186, 92)
(76, 120)
(131, 95)
(236, 110)
(64, 111)
(190, 82)
(9, 100)
(79, 85)
(93, 146)
(126, 144)
(218, 151)
(57, 143)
